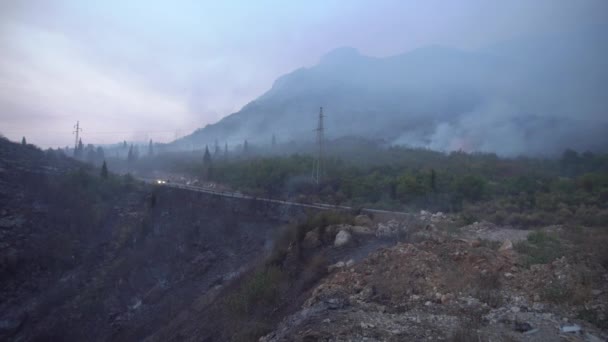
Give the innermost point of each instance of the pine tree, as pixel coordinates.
(274, 141)
(79, 150)
(226, 151)
(433, 180)
(104, 170)
(206, 156)
(216, 151)
(150, 148)
(206, 164)
(245, 147)
(130, 157)
(23, 141)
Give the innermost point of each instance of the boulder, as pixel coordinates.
(506, 246)
(338, 265)
(343, 238)
(388, 229)
(312, 239)
(363, 220)
(360, 230)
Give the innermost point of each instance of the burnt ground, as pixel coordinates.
(90, 259)
(117, 271)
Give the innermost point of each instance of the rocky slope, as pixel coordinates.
(451, 285)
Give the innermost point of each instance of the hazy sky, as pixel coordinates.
(154, 69)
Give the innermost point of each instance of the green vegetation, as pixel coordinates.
(259, 290)
(539, 248)
(290, 270)
(520, 192)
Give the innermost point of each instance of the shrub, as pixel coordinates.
(261, 289)
(486, 287)
(539, 248)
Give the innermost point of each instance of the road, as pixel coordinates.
(236, 194)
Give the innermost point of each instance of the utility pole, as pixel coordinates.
(317, 169)
(77, 131)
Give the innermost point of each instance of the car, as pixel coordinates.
(161, 181)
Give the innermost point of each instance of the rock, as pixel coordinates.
(350, 263)
(515, 309)
(522, 326)
(592, 338)
(475, 243)
(506, 246)
(366, 293)
(343, 238)
(312, 239)
(388, 229)
(570, 328)
(363, 220)
(446, 298)
(360, 230)
(508, 275)
(338, 265)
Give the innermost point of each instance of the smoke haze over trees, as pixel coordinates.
(533, 96)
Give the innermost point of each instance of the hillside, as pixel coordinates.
(83, 258)
(510, 98)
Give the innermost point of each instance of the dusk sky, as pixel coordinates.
(137, 70)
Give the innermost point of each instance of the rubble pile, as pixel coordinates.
(451, 288)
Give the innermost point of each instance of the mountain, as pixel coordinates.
(532, 96)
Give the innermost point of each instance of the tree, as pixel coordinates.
(245, 147)
(100, 155)
(274, 141)
(207, 156)
(150, 148)
(470, 187)
(226, 151)
(90, 155)
(206, 163)
(131, 155)
(104, 170)
(433, 180)
(23, 141)
(216, 151)
(79, 150)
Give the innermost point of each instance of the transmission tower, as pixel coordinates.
(317, 168)
(77, 131)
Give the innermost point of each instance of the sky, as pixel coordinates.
(138, 70)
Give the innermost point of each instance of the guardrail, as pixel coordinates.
(320, 206)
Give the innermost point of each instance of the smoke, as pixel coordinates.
(502, 128)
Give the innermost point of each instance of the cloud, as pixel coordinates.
(180, 65)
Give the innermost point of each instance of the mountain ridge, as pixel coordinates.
(431, 97)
